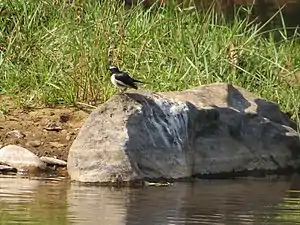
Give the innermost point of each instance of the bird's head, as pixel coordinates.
(113, 69)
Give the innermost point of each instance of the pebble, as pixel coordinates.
(52, 161)
(56, 144)
(15, 134)
(53, 126)
(34, 143)
(68, 137)
(64, 117)
(13, 119)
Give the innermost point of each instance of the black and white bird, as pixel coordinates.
(122, 79)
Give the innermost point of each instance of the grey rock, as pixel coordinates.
(15, 134)
(20, 158)
(53, 162)
(211, 129)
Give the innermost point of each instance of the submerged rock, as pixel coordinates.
(211, 129)
(20, 158)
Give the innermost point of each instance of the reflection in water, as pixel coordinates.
(24, 201)
(218, 202)
(97, 205)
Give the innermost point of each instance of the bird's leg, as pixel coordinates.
(122, 90)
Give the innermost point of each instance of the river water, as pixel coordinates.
(240, 201)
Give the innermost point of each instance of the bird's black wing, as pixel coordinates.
(125, 79)
(134, 80)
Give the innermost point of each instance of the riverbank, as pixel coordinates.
(56, 53)
(44, 131)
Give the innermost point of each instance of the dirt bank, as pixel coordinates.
(44, 131)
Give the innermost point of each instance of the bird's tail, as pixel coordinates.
(141, 82)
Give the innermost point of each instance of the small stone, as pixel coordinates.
(68, 137)
(22, 171)
(15, 134)
(34, 143)
(64, 132)
(13, 119)
(56, 144)
(64, 117)
(53, 162)
(53, 126)
(4, 169)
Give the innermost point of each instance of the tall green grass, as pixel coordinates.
(58, 52)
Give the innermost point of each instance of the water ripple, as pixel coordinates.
(44, 201)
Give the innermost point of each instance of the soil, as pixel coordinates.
(46, 131)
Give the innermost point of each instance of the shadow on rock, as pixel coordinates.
(158, 138)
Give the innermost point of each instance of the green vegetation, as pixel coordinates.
(58, 52)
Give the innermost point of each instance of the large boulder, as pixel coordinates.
(209, 130)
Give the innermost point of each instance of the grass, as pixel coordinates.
(58, 51)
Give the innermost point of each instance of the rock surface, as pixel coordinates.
(211, 129)
(20, 158)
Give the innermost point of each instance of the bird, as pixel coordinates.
(122, 79)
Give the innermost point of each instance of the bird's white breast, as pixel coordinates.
(117, 83)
